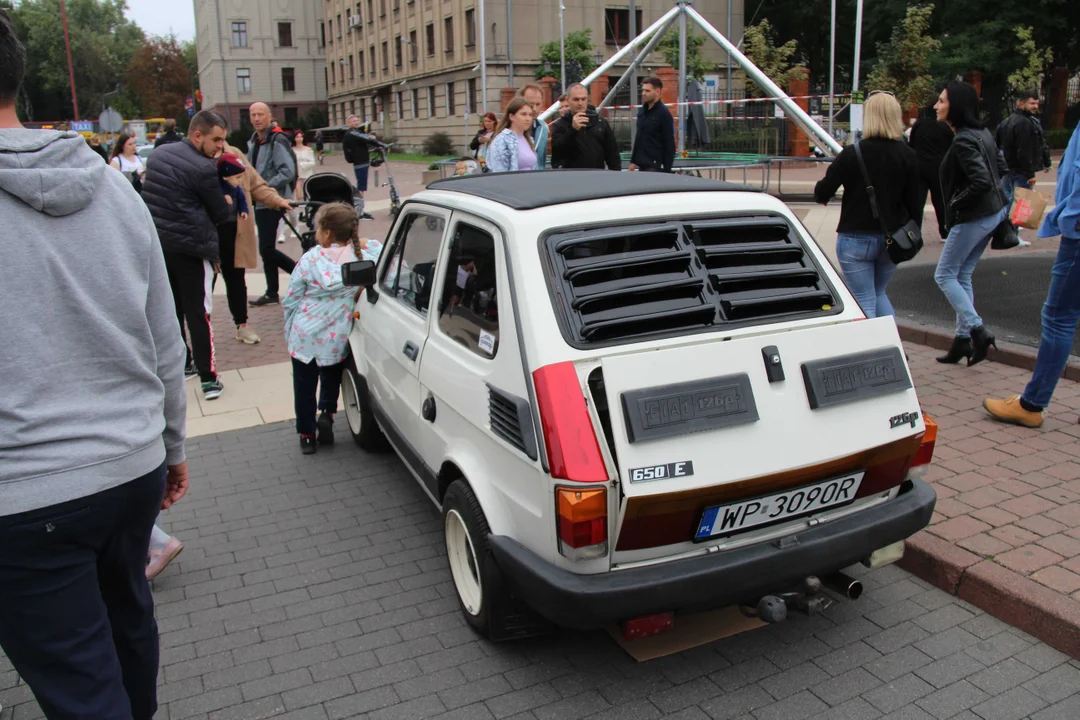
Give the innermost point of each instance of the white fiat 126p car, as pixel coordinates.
(633, 394)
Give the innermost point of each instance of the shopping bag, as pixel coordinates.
(1027, 208)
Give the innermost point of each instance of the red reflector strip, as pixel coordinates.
(572, 449)
(648, 625)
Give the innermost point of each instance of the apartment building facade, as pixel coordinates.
(261, 50)
(412, 67)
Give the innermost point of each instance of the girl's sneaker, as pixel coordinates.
(190, 371)
(160, 558)
(307, 444)
(212, 390)
(325, 423)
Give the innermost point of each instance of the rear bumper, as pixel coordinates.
(715, 580)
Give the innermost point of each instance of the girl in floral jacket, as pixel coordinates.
(318, 320)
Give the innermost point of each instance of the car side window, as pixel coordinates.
(469, 307)
(410, 273)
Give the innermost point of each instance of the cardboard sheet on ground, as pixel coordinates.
(689, 631)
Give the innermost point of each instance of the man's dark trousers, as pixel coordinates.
(192, 282)
(235, 281)
(266, 221)
(76, 612)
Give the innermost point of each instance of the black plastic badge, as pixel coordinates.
(838, 380)
(669, 410)
(774, 367)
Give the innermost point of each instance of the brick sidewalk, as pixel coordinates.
(1008, 508)
(318, 588)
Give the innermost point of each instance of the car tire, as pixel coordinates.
(480, 586)
(363, 427)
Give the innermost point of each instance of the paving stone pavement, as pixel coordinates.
(317, 588)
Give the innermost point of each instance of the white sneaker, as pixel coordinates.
(281, 239)
(1023, 243)
(246, 335)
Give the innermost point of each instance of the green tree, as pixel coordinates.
(776, 61)
(1029, 76)
(103, 43)
(697, 65)
(579, 48)
(903, 63)
(159, 77)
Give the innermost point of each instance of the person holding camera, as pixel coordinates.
(581, 138)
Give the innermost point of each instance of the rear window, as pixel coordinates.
(630, 282)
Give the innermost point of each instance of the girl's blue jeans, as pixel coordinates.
(867, 268)
(963, 248)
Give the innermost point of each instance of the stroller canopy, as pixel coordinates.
(328, 188)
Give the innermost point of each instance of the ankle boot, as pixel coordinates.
(961, 348)
(981, 341)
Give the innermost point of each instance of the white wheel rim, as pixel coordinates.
(463, 564)
(352, 402)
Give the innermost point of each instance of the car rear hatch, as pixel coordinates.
(719, 438)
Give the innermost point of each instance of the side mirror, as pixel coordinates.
(359, 273)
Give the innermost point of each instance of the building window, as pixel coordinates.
(451, 109)
(243, 80)
(413, 51)
(339, 26)
(288, 79)
(617, 25)
(385, 56)
(245, 118)
(363, 109)
(470, 28)
(382, 8)
(397, 51)
(284, 34)
(360, 62)
(326, 79)
(291, 115)
(322, 34)
(239, 34)
(448, 35)
(371, 60)
(351, 67)
(470, 98)
(397, 5)
(400, 106)
(431, 101)
(429, 31)
(415, 103)
(352, 107)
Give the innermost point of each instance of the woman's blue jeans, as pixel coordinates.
(867, 268)
(963, 248)
(1060, 315)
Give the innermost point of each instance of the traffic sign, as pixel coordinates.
(189, 103)
(110, 121)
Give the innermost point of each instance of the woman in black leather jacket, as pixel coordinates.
(971, 187)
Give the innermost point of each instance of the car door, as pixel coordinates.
(398, 323)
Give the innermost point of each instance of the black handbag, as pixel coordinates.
(905, 242)
(1004, 236)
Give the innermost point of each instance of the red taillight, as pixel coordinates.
(572, 449)
(929, 439)
(648, 625)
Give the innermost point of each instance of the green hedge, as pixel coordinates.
(1058, 139)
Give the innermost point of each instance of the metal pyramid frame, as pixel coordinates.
(684, 13)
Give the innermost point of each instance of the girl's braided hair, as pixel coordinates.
(342, 222)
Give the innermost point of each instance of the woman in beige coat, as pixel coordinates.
(239, 245)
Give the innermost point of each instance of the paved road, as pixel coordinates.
(1009, 295)
(316, 587)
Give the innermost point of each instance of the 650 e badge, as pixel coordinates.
(662, 472)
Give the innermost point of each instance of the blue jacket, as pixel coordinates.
(1064, 219)
(540, 143)
(502, 154)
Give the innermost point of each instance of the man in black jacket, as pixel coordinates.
(1020, 137)
(654, 146)
(356, 146)
(185, 200)
(581, 138)
(169, 136)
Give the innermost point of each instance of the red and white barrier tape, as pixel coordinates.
(732, 102)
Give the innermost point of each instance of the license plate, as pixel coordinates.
(736, 517)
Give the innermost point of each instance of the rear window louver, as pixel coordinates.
(634, 281)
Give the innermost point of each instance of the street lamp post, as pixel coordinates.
(71, 68)
(562, 49)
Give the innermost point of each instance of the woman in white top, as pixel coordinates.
(126, 160)
(305, 161)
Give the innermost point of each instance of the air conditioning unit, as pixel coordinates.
(354, 21)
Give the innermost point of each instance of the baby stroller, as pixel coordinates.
(319, 189)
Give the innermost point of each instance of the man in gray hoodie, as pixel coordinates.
(92, 410)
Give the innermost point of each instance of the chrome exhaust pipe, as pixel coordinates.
(844, 585)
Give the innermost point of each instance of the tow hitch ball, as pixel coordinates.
(808, 599)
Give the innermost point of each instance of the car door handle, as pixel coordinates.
(411, 351)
